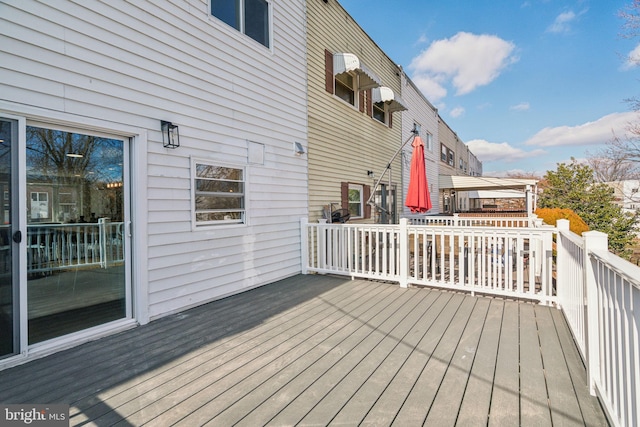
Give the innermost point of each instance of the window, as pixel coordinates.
(461, 163)
(39, 205)
(428, 141)
(345, 88)
(447, 156)
(380, 112)
(250, 17)
(355, 200)
(218, 194)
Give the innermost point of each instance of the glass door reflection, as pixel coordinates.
(75, 232)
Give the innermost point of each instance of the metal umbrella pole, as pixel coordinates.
(371, 201)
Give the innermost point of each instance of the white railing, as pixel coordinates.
(600, 297)
(53, 247)
(475, 221)
(570, 262)
(503, 261)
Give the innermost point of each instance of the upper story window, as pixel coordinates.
(428, 141)
(380, 112)
(446, 155)
(250, 17)
(345, 88)
(218, 194)
(348, 78)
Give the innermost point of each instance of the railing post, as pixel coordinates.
(593, 240)
(404, 253)
(304, 245)
(562, 225)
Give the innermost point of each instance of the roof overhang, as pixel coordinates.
(470, 183)
(386, 95)
(497, 194)
(350, 63)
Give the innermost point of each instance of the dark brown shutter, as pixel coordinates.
(361, 102)
(367, 206)
(344, 195)
(369, 103)
(390, 120)
(328, 71)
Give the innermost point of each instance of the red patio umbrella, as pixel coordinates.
(418, 198)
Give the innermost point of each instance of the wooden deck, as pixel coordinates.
(318, 350)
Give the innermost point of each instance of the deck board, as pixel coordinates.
(474, 408)
(505, 395)
(452, 388)
(321, 350)
(534, 408)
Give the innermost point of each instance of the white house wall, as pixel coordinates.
(130, 65)
(422, 112)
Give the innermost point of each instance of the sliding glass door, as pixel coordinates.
(76, 231)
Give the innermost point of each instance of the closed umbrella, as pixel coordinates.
(418, 198)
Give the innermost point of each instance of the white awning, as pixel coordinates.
(350, 63)
(386, 95)
(469, 183)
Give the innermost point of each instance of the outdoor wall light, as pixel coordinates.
(298, 149)
(370, 174)
(170, 135)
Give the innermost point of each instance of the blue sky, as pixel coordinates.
(525, 83)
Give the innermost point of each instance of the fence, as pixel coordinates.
(53, 247)
(476, 221)
(507, 261)
(600, 296)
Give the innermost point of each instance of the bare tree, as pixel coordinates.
(631, 17)
(617, 161)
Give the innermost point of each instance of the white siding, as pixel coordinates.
(422, 112)
(136, 63)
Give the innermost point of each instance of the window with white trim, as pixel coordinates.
(427, 138)
(345, 87)
(380, 112)
(356, 200)
(218, 194)
(428, 141)
(250, 17)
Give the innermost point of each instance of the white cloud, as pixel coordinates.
(562, 22)
(430, 87)
(421, 40)
(523, 106)
(633, 59)
(465, 60)
(597, 132)
(457, 112)
(487, 151)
